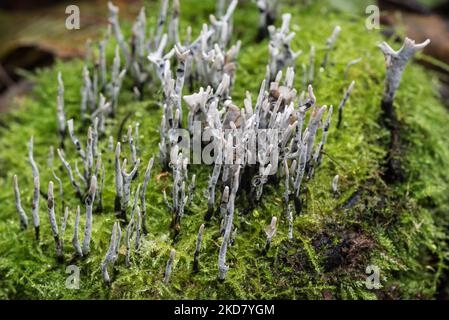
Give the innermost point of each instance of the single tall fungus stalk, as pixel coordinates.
(395, 62)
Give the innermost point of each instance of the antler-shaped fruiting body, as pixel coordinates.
(196, 255)
(127, 179)
(396, 61)
(90, 199)
(281, 54)
(22, 215)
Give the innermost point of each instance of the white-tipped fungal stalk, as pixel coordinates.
(110, 255)
(222, 267)
(52, 219)
(35, 206)
(127, 179)
(22, 215)
(330, 42)
(396, 61)
(335, 184)
(343, 103)
(118, 184)
(75, 240)
(270, 231)
(169, 266)
(90, 199)
(199, 240)
(113, 20)
(143, 195)
(70, 173)
(60, 113)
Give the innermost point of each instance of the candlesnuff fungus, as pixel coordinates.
(113, 20)
(36, 192)
(75, 140)
(127, 179)
(60, 113)
(129, 233)
(35, 206)
(396, 61)
(138, 229)
(70, 173)
(192, 187)
(63, 228)
(22, 215)
(196, 255)
(316, 160)
(330, 44)
(224, 209)
(111, 254)
(161, 22)
(168, 268)
(270, 231)
(311, 65)
(281, 54)
(52, 218)
(86, 92)
(118, 185)
(143, 195)
(335, 185)
(75, 241)
(267, 17)
(89, 206)
(61, 190)
(132, 146)
(212, 182)
(174, 23)
(343, 103)
(34, 168)
(290, 223)
(350, 64)
(222, 267)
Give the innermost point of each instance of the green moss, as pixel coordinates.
(399, 228)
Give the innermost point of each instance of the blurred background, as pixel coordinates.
(32, 33)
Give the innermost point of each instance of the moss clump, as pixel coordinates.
(400, 228)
